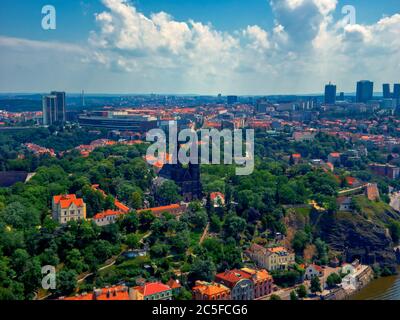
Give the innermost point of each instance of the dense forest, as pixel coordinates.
(257, 208)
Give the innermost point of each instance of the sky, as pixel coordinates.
(244, 47)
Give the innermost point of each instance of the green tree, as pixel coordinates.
(293, 296)
(168, 193)
(74, 261)
(333, 280)
(315, 285)
(301, 291)
(66, 282)
(300, 241)
(132, 240)
(202, 270)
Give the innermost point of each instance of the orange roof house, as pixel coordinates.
(65, 201)
(67, 208)
(115, 293)
(262, 282)
(120, 206)
(210, 291)
(107, 217)
(152, 291)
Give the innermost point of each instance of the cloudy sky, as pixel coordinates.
(198, 46)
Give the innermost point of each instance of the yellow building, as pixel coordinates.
(278, 258)
(67, 208)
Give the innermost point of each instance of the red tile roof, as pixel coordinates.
(67, 200)
(108, 213)
(114, 293)
(232, 277)
(152, 288)
(174, 284)
(160, 210)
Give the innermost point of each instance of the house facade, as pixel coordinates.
(152, 291)
(239, 282)
(262, 282)
(313, 271)
(67, 208)
(278, 258)
(107, 217)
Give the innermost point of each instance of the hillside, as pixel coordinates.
(361, 234)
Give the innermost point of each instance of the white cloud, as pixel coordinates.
(139, 53)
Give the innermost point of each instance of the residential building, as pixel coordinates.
(357, 276)
(239, 282)
(114, 293)
(67, 208)
(278, 258)
(205, 291)
(152, 291)
(262, 282)
(312, 271)
(107, 217)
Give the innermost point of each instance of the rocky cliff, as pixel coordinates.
(358, 237)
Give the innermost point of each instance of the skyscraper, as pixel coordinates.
(60, 110)
(49, 109)
(386, 91)
(330, 94)
(396, 93)
(365, 91)
(54, 108)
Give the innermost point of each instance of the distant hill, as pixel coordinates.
(20, 105)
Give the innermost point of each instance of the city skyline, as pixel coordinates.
(264, 48)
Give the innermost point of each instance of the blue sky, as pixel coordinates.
(21, 18)
(232, 44)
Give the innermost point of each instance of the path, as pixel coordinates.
(205, 233)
